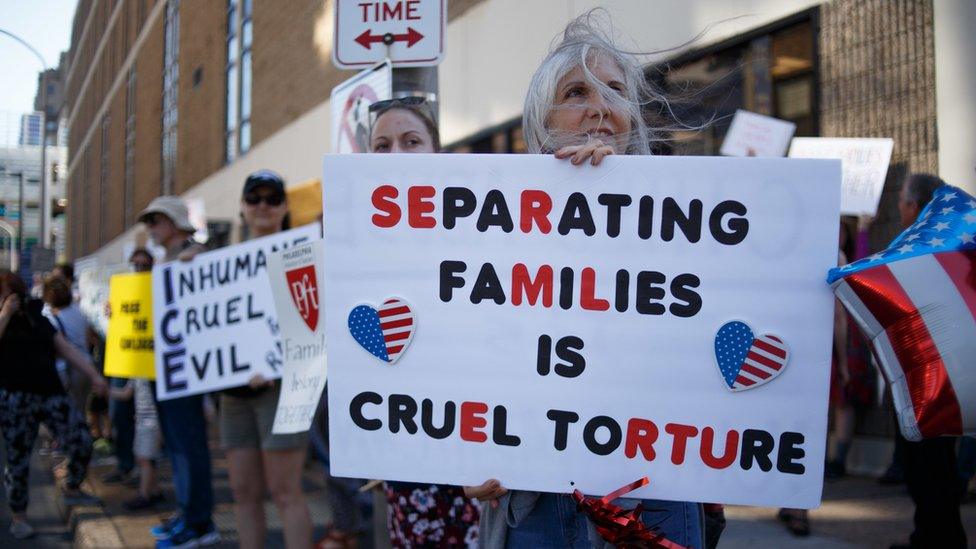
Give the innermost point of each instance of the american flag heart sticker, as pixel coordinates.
(385, 332)
(747, 361)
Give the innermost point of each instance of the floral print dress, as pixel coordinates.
(431, 515)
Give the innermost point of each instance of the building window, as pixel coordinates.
(771, 73)
(171, 75)
(130, 149)
(237, 136)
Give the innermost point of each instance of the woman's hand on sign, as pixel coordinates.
(108, 310)
(258, 381)
(594, 150)
(490, 490)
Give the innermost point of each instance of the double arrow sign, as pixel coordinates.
(367, 39)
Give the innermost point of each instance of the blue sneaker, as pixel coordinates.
(188, 537)
(166, 529)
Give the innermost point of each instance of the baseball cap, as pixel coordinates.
(264, 178)
(172, 207)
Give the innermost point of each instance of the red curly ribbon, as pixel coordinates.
(622, 527)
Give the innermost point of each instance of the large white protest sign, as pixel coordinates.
(864, 165)
(559, 327)
(295, 284)
(214, 317)
(753, 134)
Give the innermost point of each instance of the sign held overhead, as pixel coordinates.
(408, 32)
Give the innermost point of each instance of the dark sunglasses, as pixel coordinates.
(409, 101)
(151, 220)
(269, 199)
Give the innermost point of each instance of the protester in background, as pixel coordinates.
(257, 459)
(420, 515)
(584, 103)
(182, 419)
(65, 315)
(351, 504)
(930, 465)
(31, 393)
(137, 394)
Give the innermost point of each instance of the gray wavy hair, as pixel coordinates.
(586, 37)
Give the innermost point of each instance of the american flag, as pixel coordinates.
(916, 302)
(386, 332)
(746, 361)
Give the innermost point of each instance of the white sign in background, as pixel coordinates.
(214, 317)
(752, 134)
(410, 33)
(864, 165)
(295, 280)
(350, 103)
(483, 358)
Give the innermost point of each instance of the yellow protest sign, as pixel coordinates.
(129, 342)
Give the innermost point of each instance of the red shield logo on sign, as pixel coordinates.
(304, 292)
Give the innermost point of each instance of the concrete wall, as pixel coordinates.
(494, 48)
(955, 76)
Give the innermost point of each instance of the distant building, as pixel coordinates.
(26, 160)
(30, 129)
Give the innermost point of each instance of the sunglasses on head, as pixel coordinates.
(269, 199)
(409, 101)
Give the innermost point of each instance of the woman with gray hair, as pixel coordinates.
(585, 102)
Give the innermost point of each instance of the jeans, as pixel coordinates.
(123, 414)
(555, 522)
(185, 433)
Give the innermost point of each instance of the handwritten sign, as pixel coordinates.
(295, 284)
(129, 342)
(214, 317)
(753, 134)
(864, 165)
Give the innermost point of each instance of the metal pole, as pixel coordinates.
(45, 237)
(20, 220)
(44, 206)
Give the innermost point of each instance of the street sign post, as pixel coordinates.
(408, 32)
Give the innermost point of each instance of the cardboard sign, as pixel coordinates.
(350, 103)
(129, 342)
(753, 134)
(559, 327)
(214, 317)
(296, 286)
(864, 165)
(410, 33)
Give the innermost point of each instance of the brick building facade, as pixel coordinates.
(872, 64)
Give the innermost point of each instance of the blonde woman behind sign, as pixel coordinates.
(257, 459)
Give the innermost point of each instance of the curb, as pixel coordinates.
(88, 526)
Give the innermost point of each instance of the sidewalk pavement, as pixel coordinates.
(856, 512)
(45, 512)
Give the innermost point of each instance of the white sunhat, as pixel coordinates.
(172, 207)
